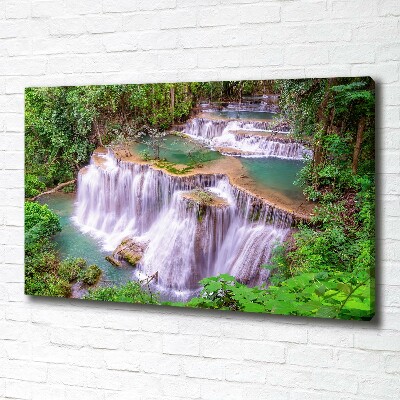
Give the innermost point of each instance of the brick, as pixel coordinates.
(185, 388)
(331, 32)
(359, 360)
(221, 348)
(152, 40)
(114, 42)
(84, 7)
(110, 6)
(105, 339)
(182, 61)
(263, 351)
(163, 323)
(361, 8)
(177, 19)
(376, 31)
(310, 356)
(67, 26)
(140, 21)
(69, 337)
(121, 360)
(389, 8)
(214, 17)
(261, 57)
(18, 9)
(67, 375)
(173, 344)
(331, 337)
(374, 386)
(24, 370)
(103, 23)
(143, 342)
(48, 392)
(392, 364)
(304, 11)
(378, 341)
(204, 368)
(225, 390)
(315, 379)
(245, 373)
(306, 55)
(259, 13)
(16, 389)
(161, 364)
(353, 54)
(47, 8)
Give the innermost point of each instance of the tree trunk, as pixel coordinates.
(357, 147)
(172, 93)
(324, 120)
(96, 126)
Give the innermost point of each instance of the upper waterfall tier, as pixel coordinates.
(244, 138)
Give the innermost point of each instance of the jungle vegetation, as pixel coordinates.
(325, 268)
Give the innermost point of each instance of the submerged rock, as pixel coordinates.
(204, 197)
(113, 261)
(128, 250)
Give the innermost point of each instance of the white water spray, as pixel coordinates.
(184, 244)
(223, 134)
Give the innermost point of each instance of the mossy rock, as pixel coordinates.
(130, 251)
(113, 261)
(91, 275)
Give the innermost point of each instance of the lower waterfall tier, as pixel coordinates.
(190, 226)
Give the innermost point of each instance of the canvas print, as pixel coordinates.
(248, 196)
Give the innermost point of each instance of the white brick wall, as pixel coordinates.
(58, 349)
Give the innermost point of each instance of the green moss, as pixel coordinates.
(70, 269)
(172, 167)
(131, 258)
(91, 275)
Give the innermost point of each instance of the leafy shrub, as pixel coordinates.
(71, 269)
(131, 292)
(325, 295)
(145, 155)
(47, 285)
(33, 186)
(40, 222)
(90, 275)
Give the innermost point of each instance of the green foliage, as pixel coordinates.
(58, 124)
(90, 275)
(172, 167)
(41, 267)
(145, 155)
(223, 292)
(45, 274)
(202, 196)
(71, 269)
(324, 295)
(40, 222)
(33, 186)
(132, 292)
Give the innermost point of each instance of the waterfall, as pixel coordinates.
(203, 128)
(117, 199)
(224, 135)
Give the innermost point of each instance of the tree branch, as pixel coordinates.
(57, 188)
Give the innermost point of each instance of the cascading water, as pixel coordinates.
(223, 135)
(185, 241)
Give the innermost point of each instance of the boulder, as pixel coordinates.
(130, 251)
